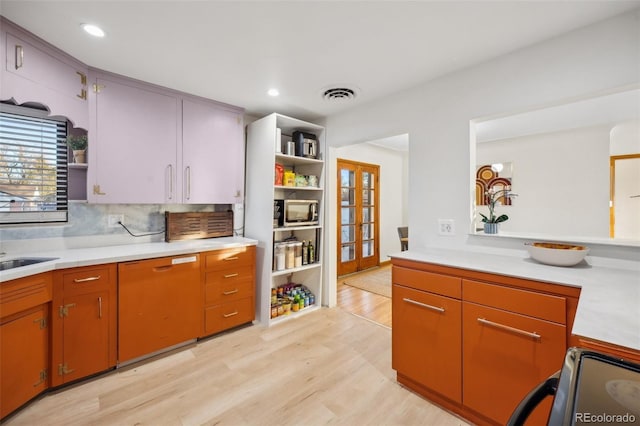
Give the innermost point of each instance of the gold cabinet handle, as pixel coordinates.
(19, 56)
(63, 369)
(533, 335)
(84, 280)
(230, 315)
(227, 293)
(231, 258)
(423, 305)
(63, 311)
(231, 275)
(100, 307)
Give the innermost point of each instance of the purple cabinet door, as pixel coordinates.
(133, 143)
(212, 154)
(34, 72)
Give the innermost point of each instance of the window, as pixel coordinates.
(33, 166)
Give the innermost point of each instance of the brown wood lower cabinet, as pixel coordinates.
(84, 322)
(477, 343)
(426, 340)
(24, 340)
(159, 304)
(229, 288)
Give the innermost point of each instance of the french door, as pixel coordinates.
(358, 216)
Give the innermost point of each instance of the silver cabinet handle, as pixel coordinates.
(533, 335)
(227, 293)
(424, 305)
(231, 275)
(100, 307)
(230, 315)
(19, 56)
(84, 280)
(231, 258)
(170, 167)
(187, 178)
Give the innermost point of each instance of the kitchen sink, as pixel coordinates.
(23, 261)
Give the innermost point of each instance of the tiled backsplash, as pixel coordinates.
(88, 225)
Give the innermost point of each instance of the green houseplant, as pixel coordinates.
(493, 196)
(78, 144)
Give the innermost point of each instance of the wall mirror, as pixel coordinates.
(575, 167)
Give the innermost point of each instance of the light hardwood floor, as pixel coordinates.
(368, 305)
(326, 367)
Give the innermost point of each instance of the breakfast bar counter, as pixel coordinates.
(609, 305)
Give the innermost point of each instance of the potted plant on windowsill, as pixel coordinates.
(493, 196)
(78, 144)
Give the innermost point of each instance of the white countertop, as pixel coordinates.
(609, 305)
(69, 258)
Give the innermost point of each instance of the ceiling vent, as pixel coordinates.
(339, 94)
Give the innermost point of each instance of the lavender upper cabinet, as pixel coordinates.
(35, 71)
(212, 153)
(152, 145)
(133, 141)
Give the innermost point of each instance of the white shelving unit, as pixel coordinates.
(260, 195)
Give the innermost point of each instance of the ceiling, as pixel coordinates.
(234, 51)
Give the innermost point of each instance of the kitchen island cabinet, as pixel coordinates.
(84, 322)
(24, 340)
(502, 337)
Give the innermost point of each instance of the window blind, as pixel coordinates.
(33, 166)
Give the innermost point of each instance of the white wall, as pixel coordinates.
(392, 183)
(436, 116)
(561, 178)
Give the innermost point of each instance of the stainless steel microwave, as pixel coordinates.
(297, 212)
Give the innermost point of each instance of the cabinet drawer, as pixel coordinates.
(227, 315)
(24, 293)
(230, 258)
(428, 281)
(87, 280)
(503, 359)
(221, 287)
(426, 340)
(543, 306)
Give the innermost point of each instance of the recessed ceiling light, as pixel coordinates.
(273, 92)
(93, 30)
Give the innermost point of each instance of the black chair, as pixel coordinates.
(403, 233)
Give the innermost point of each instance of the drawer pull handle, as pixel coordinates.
(424, 305)
(100, 307)
(231, 275)
(230, 315)
(227, 293)
(84, 280)
(231, 258)
(533, 335)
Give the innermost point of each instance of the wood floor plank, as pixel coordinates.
(327, 367)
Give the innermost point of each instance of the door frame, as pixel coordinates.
(612, 186)
(376, 207)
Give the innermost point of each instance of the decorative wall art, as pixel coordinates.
(489, 176)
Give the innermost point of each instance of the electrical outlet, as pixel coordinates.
(446, 227)
(113, 220)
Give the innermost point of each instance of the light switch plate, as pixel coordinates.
(446, 227)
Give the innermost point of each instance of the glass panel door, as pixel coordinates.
(357, 216)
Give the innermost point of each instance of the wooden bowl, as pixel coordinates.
(557, 254)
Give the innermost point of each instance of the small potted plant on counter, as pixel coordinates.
(78, 144)
(493, 196)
